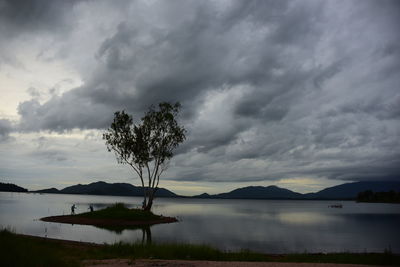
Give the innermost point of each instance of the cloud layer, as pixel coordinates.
(270, 89)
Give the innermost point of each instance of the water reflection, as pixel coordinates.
(146, 237)
(145, 230)
(307, 218)
(267, 226)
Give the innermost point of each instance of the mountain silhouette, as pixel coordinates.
(103, 188)
(11, 188)
(350, 190)
(343, 191)
(260, 192)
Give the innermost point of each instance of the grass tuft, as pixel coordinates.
(18, 250)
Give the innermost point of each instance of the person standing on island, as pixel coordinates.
(91, 208)
(73, 207)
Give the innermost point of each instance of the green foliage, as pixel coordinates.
(152, 140)
(18, 250)
(384, 197)
(147, 146)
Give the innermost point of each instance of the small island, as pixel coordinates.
(117, 215)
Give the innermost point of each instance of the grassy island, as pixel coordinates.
(114, 216)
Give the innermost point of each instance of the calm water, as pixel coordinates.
(271, 226)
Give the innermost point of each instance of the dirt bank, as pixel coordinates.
(183, 263)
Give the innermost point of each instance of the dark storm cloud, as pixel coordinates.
(308, 87)
(63, 113)
(143, 64)
(19, 16)
(379, 107)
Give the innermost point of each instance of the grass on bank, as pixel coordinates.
(18, 250)
(120, 212)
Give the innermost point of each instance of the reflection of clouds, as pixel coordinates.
(306, 218)
(193, 209)
(270, 226)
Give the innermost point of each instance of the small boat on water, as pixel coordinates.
(339, 206)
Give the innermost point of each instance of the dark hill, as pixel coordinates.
(116, 189)
(350, 190)
(204, 195)
(261, 192)
(344, 191)
(48, 191)
(11, 188)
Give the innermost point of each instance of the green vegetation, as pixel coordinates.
(120, 212)
(18, 250)
(381, 197)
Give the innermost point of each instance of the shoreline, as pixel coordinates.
(273, 255)
(206, 263)
(76, 219)
(26, 249)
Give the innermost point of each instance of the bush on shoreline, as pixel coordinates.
(379, 197)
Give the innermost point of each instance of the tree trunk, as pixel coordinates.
(146, 235)
(149, 203)
(145, 198)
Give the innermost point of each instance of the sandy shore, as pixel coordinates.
(183, 263)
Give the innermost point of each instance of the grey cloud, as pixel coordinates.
(50, 155)
(22, 20)
(370, 170)
(6, 128)
(306, 87)
(42, 142)
(63, 113)
(379, 107)
(326, 73)
(33, 92)
(180, 63)
(25, 16)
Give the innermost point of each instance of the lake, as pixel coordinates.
(270, 226)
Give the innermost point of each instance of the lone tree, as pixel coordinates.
(147, 146)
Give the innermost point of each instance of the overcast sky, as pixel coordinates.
(299, 94)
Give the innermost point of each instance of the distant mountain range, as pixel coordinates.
(103, 188)
(256, 192)
(350, 190)
(343, 191)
